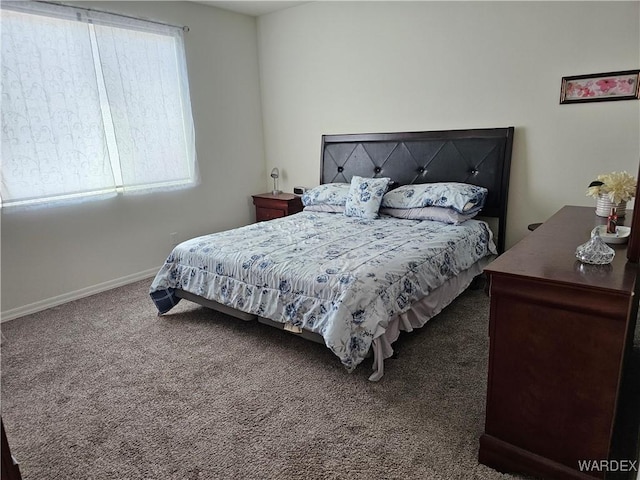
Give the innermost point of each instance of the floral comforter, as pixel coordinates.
(341, 277)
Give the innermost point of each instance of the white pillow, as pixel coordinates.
(438, 214)
(324, 208)
(365, 196)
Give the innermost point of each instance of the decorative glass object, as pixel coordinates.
(592, 271)
(595, 251)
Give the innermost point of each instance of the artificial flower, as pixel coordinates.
(618, 186)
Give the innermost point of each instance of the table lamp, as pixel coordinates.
(275, 174)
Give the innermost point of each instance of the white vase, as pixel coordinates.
(604, 205)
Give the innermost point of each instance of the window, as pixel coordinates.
(92, 103)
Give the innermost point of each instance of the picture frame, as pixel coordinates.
(600, 87)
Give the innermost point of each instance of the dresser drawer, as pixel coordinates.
(263, 214)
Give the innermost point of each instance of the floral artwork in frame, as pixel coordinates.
(601, 87)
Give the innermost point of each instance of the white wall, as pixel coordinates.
(353, 67)
(339, 67)
(51, 255)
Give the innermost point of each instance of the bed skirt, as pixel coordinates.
(417, 316)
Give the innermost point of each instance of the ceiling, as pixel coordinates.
(253, 8)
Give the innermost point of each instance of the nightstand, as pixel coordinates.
(270, 206)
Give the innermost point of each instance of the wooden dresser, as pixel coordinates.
(559, 332)
(270, 206)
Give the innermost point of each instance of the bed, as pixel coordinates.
(350, 275)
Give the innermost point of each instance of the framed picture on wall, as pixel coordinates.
(601, 87)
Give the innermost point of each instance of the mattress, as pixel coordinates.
(344, 278)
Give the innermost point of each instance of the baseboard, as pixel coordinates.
(507, 458)
(14, 313)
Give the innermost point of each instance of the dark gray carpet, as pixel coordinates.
(102, 388)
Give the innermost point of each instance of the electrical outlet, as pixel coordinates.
(173, 237)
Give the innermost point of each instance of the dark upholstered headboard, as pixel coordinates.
(479, 156)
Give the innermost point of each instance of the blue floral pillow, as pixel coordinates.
(326, 194)
(461, 197)
(365, 196)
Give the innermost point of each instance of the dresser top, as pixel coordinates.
(548, 253)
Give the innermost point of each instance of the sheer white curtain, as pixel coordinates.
(91, 103)
(53, 140)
